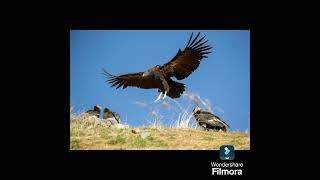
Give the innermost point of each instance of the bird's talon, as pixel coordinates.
(158, 97)
(165, 95)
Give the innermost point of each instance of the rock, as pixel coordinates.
(120, 126)
(135, 131)
(113, 121)
(108, 123)
(144, 135)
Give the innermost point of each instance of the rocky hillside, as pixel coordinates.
(92, 133)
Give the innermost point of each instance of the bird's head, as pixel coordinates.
(197, 110)
(97, 107)
(151, 71)
(106, 110)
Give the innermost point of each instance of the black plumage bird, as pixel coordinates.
(95, 112)
(209, 121)
(113, 117)
(159, 77)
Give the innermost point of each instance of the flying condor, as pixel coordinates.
(159, 77)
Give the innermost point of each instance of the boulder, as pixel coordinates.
(144, 135)
(135, 131)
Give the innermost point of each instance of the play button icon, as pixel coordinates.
(227, 152)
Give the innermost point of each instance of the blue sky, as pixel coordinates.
(223, 78)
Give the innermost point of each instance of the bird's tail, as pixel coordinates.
(225, 123)
(176, 89)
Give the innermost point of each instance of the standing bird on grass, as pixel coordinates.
(159, 77)
(95, 112)
(113, 117)
(209, 121)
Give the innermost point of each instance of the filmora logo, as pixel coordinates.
(226, 152)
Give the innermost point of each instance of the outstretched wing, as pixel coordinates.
(188, 60)
(132, 79)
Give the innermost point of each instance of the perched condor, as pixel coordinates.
(208, 120)
(95, 112)
(159, 77)
(113, 117)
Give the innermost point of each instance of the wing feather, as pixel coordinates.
(132, 79)
(194, 40)
(188, 60)
(194, 45)
(189, 40)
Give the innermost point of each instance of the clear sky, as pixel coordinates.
(223, 78)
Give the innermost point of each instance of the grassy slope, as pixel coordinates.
(88, 134)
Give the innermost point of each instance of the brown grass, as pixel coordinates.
(93, 135)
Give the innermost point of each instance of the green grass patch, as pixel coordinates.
(149, 141)
(117, 140)
(105, 134)
(139, 142)
(156, 142)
